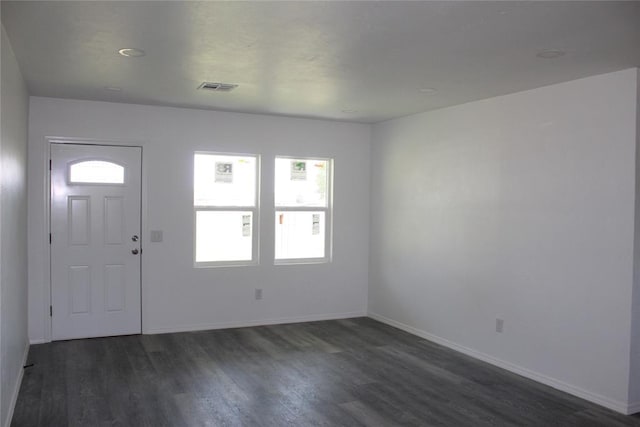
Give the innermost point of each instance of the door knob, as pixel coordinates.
(134, 251)
(134, 238)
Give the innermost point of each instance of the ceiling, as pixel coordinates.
(355, 61)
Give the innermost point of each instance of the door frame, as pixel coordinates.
(47, 300)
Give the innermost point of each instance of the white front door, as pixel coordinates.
(95, 240)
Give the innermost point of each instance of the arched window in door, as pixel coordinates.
(96, 172)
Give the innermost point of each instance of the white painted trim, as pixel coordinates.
(16, 388)
(38, 341)
(95, 141)
(255, 210)
(46, 246)
(247, 323)
(621, 407)
(632, 408)
(328, 214)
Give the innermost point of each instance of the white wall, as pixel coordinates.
(177, 296)
(519, 207)
(13, 229)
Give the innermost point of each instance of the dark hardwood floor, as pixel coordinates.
(336, 373)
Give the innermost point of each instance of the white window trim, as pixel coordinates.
(328, 214)
(255, 223)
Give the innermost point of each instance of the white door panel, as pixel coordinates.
(95, 258)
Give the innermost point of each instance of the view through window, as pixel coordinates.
(225, 205)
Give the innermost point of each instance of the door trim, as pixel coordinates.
(46, 246)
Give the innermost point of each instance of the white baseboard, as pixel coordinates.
(247, 323)
(38, 341)
(16, 388)
(632, 408)
(617, 406)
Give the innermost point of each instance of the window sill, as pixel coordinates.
(302, 261)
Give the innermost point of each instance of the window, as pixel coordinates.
(96, 172)
(303, 210)
(225, 198)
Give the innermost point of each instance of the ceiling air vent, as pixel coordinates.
(217, 87)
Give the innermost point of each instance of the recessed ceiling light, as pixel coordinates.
(113, 88)
(427, 90)
(550, 53)
(132, 52)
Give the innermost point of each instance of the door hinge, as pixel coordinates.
(50, 161)
(49, 238)
(50, 311)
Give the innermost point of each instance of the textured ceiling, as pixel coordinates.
(315, 59)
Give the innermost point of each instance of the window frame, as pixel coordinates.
(328, 214)
(255, 210)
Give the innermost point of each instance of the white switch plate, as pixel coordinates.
(156, 236)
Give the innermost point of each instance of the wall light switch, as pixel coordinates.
(156, 236)
(499, 325)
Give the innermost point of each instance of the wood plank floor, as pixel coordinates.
(355, 372)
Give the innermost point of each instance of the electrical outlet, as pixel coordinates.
(258, 293)
(499, 325)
